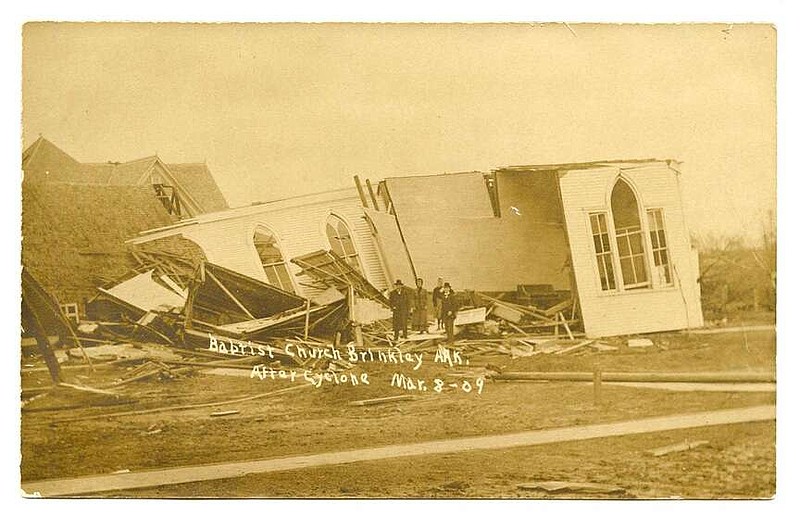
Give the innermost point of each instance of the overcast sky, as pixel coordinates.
(281, 110)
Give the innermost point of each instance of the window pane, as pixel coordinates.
(601, 267)
(347, 242)
(334, 240)
(595, 225)
(636, 243)
(272, 276)
(628, 276)
(612, 284)
(639, 268)
(598, 244)
(341, 241)
(285, 280)
(606, 242)
(266, 248)
(603, 225)
(624, 247)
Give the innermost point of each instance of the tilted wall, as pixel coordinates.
(618, 312)
(299, 228)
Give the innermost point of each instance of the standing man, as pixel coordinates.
(436, 298)
(398, 300)
(419, 308)
(449, 310)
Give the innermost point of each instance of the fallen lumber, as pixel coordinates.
(552, 311)
(558, 487)
(712, 377)
(382, 400)
(573, 347)
(225, 413)
(507, 314)
(180, 408)
(678, 447)
(88, 485)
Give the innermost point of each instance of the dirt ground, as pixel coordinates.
(739, 461)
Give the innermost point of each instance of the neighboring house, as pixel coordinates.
(73, 236)
(260, 240)
(611, 232)
(184, 190)
(77, 216)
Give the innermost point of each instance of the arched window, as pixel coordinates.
(630, 241)
(272, 260)
(341, 241)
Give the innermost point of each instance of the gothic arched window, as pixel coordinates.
(272, 260)
(341, 241)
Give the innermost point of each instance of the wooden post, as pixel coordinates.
(308, 312)
(372, 195)
(359, 337)
(361, 195)
(598, 381)
(40, 334)
(566, 327)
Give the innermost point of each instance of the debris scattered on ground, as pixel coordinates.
(225, 413)
(678, 447)
(560, 487)
(382, 400)
(640, 343)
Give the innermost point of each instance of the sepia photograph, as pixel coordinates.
(398, 260)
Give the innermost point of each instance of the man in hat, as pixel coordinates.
(449, 310)
(398, 300)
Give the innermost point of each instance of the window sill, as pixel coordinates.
(650, 290)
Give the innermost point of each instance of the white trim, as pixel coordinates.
(250, 235)
(333, 213)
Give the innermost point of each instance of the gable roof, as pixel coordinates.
(45, 162)
(43, 158)
(197, 179)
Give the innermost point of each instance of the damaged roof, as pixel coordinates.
(74, 234)
(197, 178)
(45, 162)
(623, 164)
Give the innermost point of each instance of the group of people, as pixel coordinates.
(413, 303)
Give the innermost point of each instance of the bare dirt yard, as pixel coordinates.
(737, 462)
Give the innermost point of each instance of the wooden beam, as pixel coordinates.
(372, 195)
(232, 297)
(308, 312)
(361, 195)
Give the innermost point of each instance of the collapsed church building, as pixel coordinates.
(600, 248)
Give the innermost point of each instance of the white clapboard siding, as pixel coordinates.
(638, 311)
(298, 225)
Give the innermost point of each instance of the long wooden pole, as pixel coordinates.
(361, 195)
(308, 313)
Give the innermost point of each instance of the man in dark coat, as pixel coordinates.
(449, 310)
(398, 300)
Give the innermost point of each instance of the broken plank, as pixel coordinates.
(678, 447)
(566, 486)
(225, 413)
(566, 326)
(573, 347)
(382, 400)
(552, 311)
